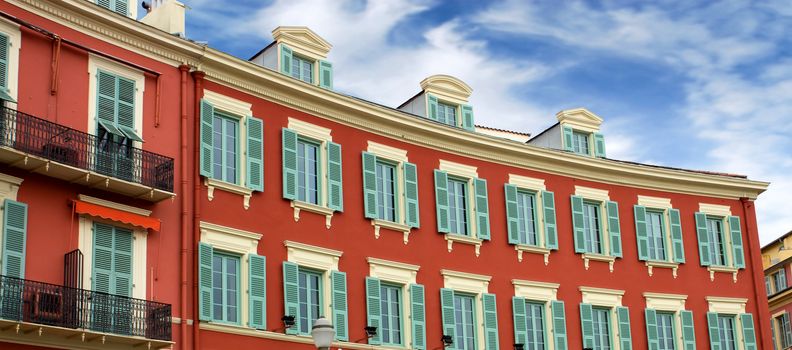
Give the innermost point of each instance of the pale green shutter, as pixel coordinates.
(651, 329)
(326, 75)
(106, 91)
(614, 228)
(467, 118)
(587, 325)
(703, 239)
(512, 217)
(567, 138)
(14, 238)
(482, 208)
(577, 224)
(768, 285)
(122, 7)
(339, 300)
(625, 335)
(5, 48)
(432, 107)
(549, 217)
(411, 216)
(714, 335)
(291, 296)
(688, 331)
(447, 305)
(737, 242)
(441, 200)
(289, 164)
(257, 280)
(641, 232)
(285, 60)
(370, 185)
(417, 304)
(373, 308)
(520, 321)
(255, 154)
(749, 335)
(676, 235)
(103, 258)
(599, 145)
(207, 137)
(490, 308)
(122, 262)
(559, 324)
(335, 185)
(205, 253)
(125, 105)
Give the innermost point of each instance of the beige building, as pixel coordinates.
(776, 259)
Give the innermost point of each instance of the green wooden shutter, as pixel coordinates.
(549, 217)
(103, 258)
(373, 308)
(512, 217)
(651, 329)
(106, 91)
(411, 216)
(703, 239)
(712, 322)
(431, 107)
(676, 235)
(122, 262)
(122, 7)
(289, 164)
(205, 253)
(641, 232)
(5, 49)
(14, 238)
(257, 281)
(559, 324)
(577, 224)
(370, 185)
(587, 325)
(737, 243)
(447, 305)
(467, 118)
(567, 137)
(441, 200)
(688, 331)
(291, 297)
(749, 335)
(768, 285)
(207, 137)
(335, 185)
(482, 208)
(614, 228)
(599, 145)
(417, 303)
(625, 335)
(285, 60)
(340, 320)
(255, 154)
(520, 320)
(490, 308)
(125, 104)
(326, 75)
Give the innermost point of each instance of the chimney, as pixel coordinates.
(166, 15)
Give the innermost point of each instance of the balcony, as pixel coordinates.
(42, 314)
(41, 146)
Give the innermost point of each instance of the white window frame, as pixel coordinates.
(469, 173)
(14, 34)
(399, 274)
(730, 306)
(544, 293)
(97, 63)
(9, 188)
(602, 197)
(398, 157)
(322, 260)
(535, 185)
(322, 136)
(606, 298)
(476, 285)
(240, 110)
(723, 212)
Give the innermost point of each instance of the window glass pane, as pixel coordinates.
(655, 235)
(225, 288)
(390, 303)
(601, 318)
(465, 322)
(726, 330)
(526, 218)
(225, 145)
(535, 322)
(309, 299)
(386, 191)
(591, 227)
(446, 114)
(457, 206)
(307, 172)
(580, 143)
(717, 249)
(665, 331)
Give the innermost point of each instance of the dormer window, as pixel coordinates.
(302, 68)
(580, 143)
(443, 99)
(446, 113)
(300, 53)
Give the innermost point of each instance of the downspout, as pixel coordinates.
(198, 77)
(762, 322)
(185, 213)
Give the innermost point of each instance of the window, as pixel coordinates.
(719, 239)
(302, 69)
(655, 235)
(457, 206)
(783, 330)
(597, 231)
(225, 288)
(535, 321)
(225, 147)
(539, 319)
(390, 189)
(308, 171)
(447, 114)
(391, 305)
(386, 191)
(602, 331)
(658, 232)
(730, 328)
(464, 317)
(469, 312)
(115, 108)
(462, 204)
(310, 299)
(580, 143)
(605, 324)
(112, 260)
(395, 304)
(591, 227)
(779, 280)
(586, 142)
(530, 216)
(526, 217)
(726, 332)
(665, 331)
(716, 241)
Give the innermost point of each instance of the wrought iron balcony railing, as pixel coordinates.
(60, 306)
(58, 143)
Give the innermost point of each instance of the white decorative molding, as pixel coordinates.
(715, 209)
(580, 119)
(451, 238)
(598, 257)
(592, 193)
(726, 305)
(312, 256)
(457, 169)
(655, 202)
(392, 271)
(114, 205)
(303, 40)
(522, 248)
(387, 152)
(313, 208)
(650, 265)
(528, 183)
(229, 239)
(447, 88)
(212, 184)
(665, 302)
(227, 104)
(537, 291)
(390, 225)
(309, 130)
(465, 282)
(725, 269)
(601, 297)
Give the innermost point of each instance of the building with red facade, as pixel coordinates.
(159, 193)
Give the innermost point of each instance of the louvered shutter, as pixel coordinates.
(411, 215)
(370, 185)
(467, 118)
(737, 242)
(641, 232)
(106, 91)
(447, 305)
(712, 322)
(520, 321)
(587, 325)
(5, 50)
(441, 201)
(121, 7)
(549, 217)
(291, 297)
(651, 329)
(289, 164)
(285, 60)
(335, 185)
(625, 335)
(326, 75)
(577, 224)
(122, 262)
(207, 138)
(257, 275)
(431, 107)
(614, 228)
(418, 305)
(125, 107)
(676, 235)
(103, 258)
(703, 239)
(205, 253)
(490, 321)
(373, 308)
(559, 324)
(512, 216)
(688, 330)
(14, 238)
(482, 208)
(339, 300)
(748, 332)
(599, 145)
(567, 138)
(255, 154)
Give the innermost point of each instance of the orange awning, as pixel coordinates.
(108, 213)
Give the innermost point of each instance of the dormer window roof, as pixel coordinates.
(580, 132)
(443, 99)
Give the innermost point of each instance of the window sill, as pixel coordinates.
(452, 237)
(726, 269)
(650, 265)
(598, 257)
(213, 184)
(390, 225)
(524, 248)
(313, 208)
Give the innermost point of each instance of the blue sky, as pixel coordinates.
(699, 85)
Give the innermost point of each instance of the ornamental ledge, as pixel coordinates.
(598, 257)
(523, 248)
(390, 225)
(650, 265)
(452, 237)
(725, 269)
(312, 208)
(212, 184)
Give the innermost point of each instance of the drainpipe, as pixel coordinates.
(198, 77)
(762, 319)
(184, 204)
